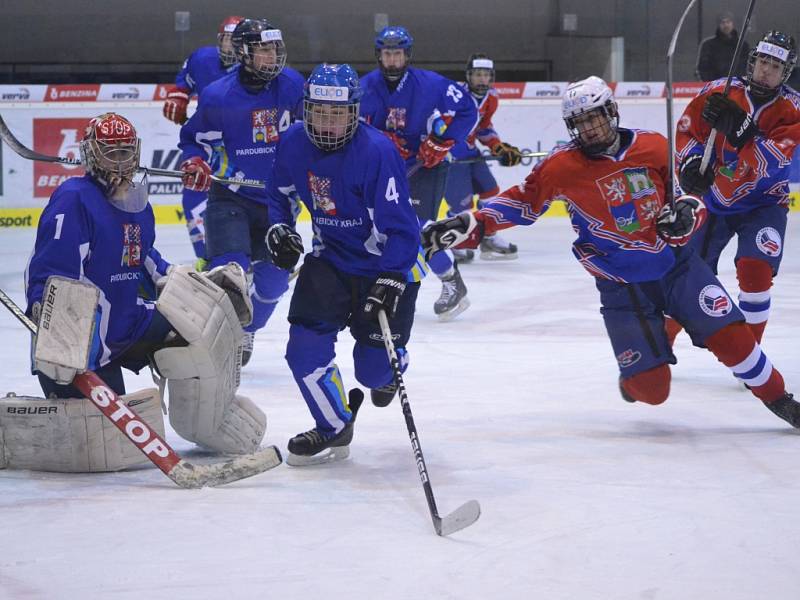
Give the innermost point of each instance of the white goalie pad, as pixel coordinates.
(202, 376)
(66, 328)
(233, 280)
(71, 435)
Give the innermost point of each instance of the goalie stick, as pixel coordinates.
(466, 514)
(156, 449)
(25, 152)
(736, 53)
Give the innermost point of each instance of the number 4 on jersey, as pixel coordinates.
(391, 191)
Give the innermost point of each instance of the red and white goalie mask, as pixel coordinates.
(110, 150)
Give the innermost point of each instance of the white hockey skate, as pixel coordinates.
(494, 247)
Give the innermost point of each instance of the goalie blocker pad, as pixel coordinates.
(66, 328)
(203, 375)
(71, 435)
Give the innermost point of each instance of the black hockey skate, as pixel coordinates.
(453, 300)
(463, 257)
(314, 448)
(384, 395)
(787, 408)
(494, 247)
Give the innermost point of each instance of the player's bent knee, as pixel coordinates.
(754, 275)
(650, 387)
(71, 435)
(307, 350)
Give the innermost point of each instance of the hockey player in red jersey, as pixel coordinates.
(746, 184)
(615, 182)
(468, 178)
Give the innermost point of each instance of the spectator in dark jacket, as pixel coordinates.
(716, 52)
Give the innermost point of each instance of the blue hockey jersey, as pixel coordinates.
(364, 223)
(412, 110)
(81, 235)
(200, 69)
(240, 129)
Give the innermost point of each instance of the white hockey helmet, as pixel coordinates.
(581, 102)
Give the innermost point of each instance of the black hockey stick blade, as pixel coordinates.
(190, 475)
(462, 517)
(26, 152)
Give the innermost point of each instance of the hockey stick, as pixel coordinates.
(485, 157)
(736, 53)
(145, 438)
(670, 132)
(466, 514)
(25, 152)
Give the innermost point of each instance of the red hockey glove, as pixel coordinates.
(676, 227)
(196, 174)
(399, 143)
(462, 231)
(433, 150)
(175, 105)
(509, 155)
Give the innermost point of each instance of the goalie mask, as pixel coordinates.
(393, 47)
(591, 115)
(770, 64)
(480, 74)
(110, 151)
(224, 45)
(259, 48)
(331, 101)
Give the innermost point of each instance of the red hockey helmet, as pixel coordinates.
(110, 150)
(224, 47)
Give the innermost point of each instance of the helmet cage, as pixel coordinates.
(110, 150)
(225, 50)
(783, 53)
(327, 126)
(478, 66)
(607, 128)
(246, 44)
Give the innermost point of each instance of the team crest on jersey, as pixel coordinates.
(628, 357)
(714, 301)
(632, 198)
(769, 241)
(265, 125)
(321, 193)
(396, 119)
(131, 245)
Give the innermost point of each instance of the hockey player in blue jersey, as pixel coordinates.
(238, 122)
(93, 255)
(365, 255)
(203, 66)
(424, 114)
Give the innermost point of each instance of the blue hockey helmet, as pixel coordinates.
(251, 35)
(331, 101)
(776, 50)
(394, 38)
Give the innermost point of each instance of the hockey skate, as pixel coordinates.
(787, 408)
(247, 346)
(494, 247)
(453, 300)
(384, 395)
(314, 448)
(463, 256)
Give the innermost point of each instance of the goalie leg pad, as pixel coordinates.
(202, 377)
(71, 435)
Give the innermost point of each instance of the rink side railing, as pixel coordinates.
(50, 120)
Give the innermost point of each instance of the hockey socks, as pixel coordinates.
(755, 279)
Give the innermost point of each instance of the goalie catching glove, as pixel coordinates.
(509, 156)
(677, 226)
(462, 231)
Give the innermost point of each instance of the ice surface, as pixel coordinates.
(516, 402)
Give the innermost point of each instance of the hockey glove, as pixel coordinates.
(196, 174)
(727, 117)
(384, 294)
(677, 226)
(433, 150)
(691, 179)
(509, 155)
(461, 231)
(285, 246)
(399, 143)
(175, 105)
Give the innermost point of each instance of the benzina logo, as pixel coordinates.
(55, 137)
